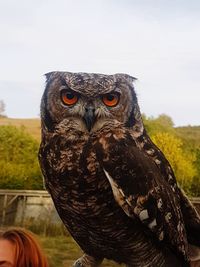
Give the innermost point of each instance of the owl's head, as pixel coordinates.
(89, 100)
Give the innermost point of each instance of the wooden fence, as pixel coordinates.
(18, 206)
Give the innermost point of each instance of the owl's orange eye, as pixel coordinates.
(110, 100)
(69, 98)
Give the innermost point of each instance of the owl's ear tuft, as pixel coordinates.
(49, 75)
(127, 77)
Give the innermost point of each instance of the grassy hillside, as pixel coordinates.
(190, 134)
(31, 125)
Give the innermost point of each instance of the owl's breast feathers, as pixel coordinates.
(74, 178)
(82, 194)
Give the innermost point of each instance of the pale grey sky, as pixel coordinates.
(157, 41)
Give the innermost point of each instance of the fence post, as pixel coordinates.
(4, 209)
(23, 210)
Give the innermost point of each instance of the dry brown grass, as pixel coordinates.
(32, 126)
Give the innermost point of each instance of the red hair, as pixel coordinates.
(28, 252)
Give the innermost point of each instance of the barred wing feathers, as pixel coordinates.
(140, 190)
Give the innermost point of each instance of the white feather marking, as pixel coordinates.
(118, 194)
(150, 151)
(168, 216)
(152, 224)
(159, 203)
(129, 203)
(122, 193)
(157, 161)
(143, 215)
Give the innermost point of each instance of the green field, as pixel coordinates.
(62, 251)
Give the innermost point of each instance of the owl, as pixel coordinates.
(114, 190)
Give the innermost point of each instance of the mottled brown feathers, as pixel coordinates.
(146, 195)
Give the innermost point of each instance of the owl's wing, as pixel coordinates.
(190, 215)
(139, 189)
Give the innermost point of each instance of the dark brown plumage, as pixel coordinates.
(112, 187)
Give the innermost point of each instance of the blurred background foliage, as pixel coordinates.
(19, 144)
(19, 168)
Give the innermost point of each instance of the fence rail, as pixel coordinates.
(18, 206)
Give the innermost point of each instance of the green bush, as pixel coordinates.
(19, 168)
(183, 163)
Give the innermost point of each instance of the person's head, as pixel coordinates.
(20, 248)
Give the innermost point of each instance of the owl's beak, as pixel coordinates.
(89, 117)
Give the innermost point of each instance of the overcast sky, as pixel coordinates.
(157, 41)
